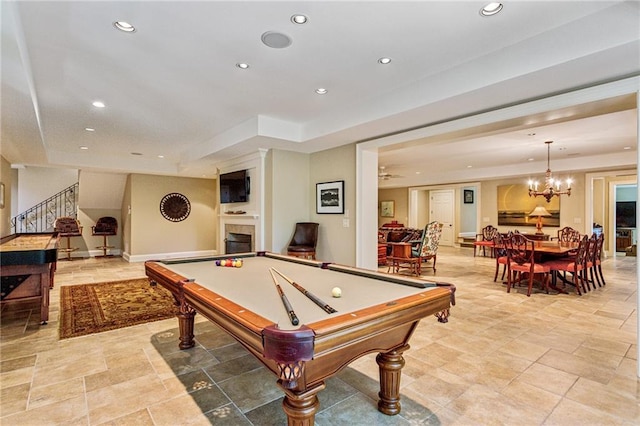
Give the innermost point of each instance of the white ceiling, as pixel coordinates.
(172, 88)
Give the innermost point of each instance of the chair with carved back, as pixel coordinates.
(597, 260)
(500, 253)
(568, 235)
(576, 266)
(590, 274)
(484, 240)
(68, 227)
(105, 227)
(521, 263)
(428, 247)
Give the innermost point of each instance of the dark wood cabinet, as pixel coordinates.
(623, 239)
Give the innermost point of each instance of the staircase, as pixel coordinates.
(42, 217)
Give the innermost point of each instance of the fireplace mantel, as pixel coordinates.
(254, 208)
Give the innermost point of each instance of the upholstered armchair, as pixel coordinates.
(428, 247)
(304, 241)
(105, 227)
(68, 227)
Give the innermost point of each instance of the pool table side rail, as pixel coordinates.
(235, 318)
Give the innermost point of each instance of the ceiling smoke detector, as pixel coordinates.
(276, 40)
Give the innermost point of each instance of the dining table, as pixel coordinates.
(546, 250)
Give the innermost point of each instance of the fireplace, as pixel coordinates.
(237, 243)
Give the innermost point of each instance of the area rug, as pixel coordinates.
(94, 308)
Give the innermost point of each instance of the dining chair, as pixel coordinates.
(568, 235)
(484, 240)
(597, 260)
(500, 253)
(590, 272)
(574, 265)
(521, 261)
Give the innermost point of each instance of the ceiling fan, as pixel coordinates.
(383, 175)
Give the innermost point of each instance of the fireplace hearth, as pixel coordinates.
(237, 243)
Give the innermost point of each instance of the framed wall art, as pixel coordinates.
(515, 204)
(387, 209)
(468, 196)
(330, 197)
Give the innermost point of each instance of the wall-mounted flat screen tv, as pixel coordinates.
(625, 214)
(234, 187)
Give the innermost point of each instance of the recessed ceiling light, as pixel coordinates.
(124, 26)
(627, 147)
(299, 19)
(491, 9)
(321, 91)
(468, 167)
(242, 65)
(530, 159)
(84, 147)
(98, 104)
(160, 156)
(90, 129)
(384, 61)
(418, 173)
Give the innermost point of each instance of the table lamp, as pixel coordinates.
(539, 212)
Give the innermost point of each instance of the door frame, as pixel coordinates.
(610, 235)
(457, 188)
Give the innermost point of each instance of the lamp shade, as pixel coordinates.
(539, 211)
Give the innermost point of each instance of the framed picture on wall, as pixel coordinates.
(330, 197)
(468, 196)
(387, 209)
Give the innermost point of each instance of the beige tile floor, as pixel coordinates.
(501, 359)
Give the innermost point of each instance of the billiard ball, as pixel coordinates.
(218, 262)
(336, 292)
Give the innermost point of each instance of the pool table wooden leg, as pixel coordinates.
(185, 323)
(391, 364)
(301, 407)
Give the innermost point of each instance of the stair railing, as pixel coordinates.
(42, 217)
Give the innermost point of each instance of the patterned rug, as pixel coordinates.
(93, 308)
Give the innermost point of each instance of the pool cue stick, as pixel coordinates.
(328, 309)
(285, 301)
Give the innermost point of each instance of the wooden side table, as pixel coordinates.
(398, 263)
(401, 258)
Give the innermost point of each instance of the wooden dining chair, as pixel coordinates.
(500, 253)
(590, 272)
(597, 260)
(521, 263)
(484, 240)
(575, 265)
(568, 235)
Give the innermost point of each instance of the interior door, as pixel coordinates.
(442, 209)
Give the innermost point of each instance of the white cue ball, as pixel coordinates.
(336, 292)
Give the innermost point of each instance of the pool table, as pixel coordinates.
(27, 268)
(376, 313)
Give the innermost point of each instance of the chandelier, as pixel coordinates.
(551, 186)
